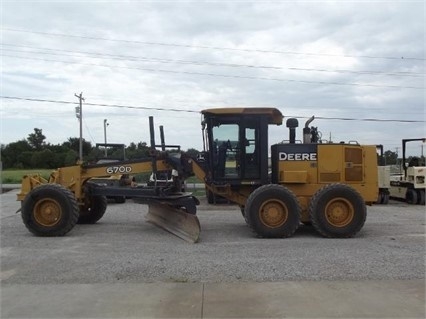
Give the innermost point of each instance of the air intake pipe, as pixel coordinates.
(292, 123)
(307, 138)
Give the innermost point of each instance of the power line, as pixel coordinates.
(213, 47)
(364, 119)
(222, 75)
(186, 62)
(59, 114)
(197, 112)
(99, 104)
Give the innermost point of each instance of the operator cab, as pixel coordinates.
(236, 144)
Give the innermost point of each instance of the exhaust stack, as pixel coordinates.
(307, 138)
(292, 123)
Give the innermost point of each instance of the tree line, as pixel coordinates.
(34, 153)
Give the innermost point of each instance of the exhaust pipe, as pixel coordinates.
(292, 123)
(307, 138)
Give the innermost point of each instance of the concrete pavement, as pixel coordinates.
(293, 299)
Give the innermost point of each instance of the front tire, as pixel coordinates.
(337, 210)
(210, 196)
(273, 211)
(93, 210)
(243, 213)
(120, 199)
(49, 210)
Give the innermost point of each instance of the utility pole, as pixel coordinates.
(79, 114)
(105, 136)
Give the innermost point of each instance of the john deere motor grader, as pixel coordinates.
(327, 185)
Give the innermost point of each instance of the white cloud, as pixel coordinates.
(345, 33)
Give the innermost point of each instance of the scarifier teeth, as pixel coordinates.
(179, 223)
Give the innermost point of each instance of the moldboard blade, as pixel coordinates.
(183, 225)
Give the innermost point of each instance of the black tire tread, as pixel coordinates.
(120, 199)
(267, 189)
(96, 212)
(421, 196)
(320, 228)
(411, 196)
(26, 212)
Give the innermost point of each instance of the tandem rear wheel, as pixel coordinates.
(273, 211)
(337, 210)
(415, 196)
(421, 196)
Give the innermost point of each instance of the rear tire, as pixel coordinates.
(93, 210)
(49, 210)
(411, 196)
(380, 198)
(421, 196)
(273, 211)
(337, 210)
(385, 199)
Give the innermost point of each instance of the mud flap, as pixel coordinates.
(176, 221)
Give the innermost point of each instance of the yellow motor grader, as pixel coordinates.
(277, 188)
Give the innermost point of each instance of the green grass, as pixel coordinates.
(194, 179)
(15, 176)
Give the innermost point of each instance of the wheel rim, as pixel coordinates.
(273, 213)
(47, 212)
(339, 212)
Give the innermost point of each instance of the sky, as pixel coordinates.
(358, 66)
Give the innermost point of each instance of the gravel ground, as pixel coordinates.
(122, 247)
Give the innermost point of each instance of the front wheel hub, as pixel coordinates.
(47, 212)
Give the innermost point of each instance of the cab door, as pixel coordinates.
(239, 149)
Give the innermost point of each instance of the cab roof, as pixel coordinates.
(274, 115)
